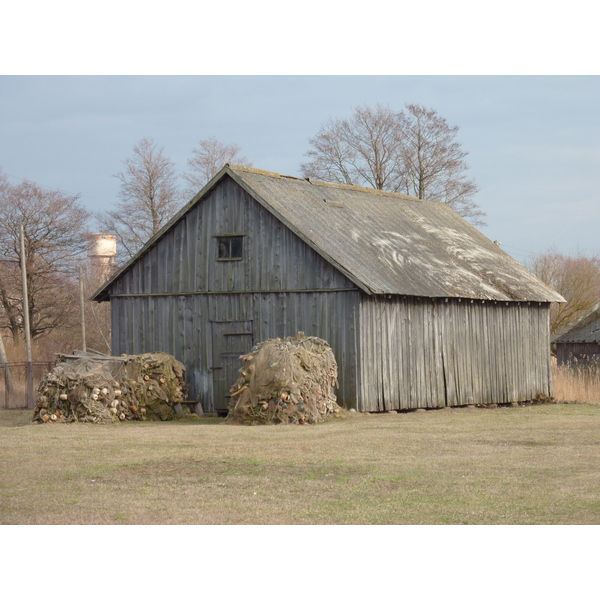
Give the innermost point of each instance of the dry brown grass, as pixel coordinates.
(580, 383)
(528, 465)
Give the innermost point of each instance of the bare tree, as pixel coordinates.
(54, 225)
(431, 163)
(413, 152)
(208, 159)
(576, 278)
(362, 150)
(148, 198)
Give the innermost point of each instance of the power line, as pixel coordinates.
(519, 249)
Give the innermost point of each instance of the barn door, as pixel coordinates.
(230, 340)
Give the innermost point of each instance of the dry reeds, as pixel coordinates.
(578, 381)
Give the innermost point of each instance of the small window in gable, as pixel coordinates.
(230, 247)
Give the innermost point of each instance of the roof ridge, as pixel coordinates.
(358, 188)
(319, 182)
(253, 170)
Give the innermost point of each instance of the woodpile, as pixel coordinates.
(104, 389)
(287, 381)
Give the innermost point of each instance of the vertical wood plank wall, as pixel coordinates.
(577, 352)
(424, 353)
(282, 285)
(185, 259)
(181, 326)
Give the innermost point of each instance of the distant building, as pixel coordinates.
(421, 309)
(580, 341)
(102, 252)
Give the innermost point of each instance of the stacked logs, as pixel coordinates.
(288, 381)
(101, 389)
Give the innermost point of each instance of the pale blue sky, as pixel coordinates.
(533, 141)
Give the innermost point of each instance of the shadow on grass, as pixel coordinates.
(12, 417)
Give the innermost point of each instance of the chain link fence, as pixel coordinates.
(13, 381)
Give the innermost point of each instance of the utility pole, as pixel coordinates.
(82, 309)
(29, 363)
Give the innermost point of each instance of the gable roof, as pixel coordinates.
(385, 243)
(585, 330)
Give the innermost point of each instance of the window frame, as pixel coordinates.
(229, 237)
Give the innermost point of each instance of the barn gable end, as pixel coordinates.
(179, 296)
(185, 259)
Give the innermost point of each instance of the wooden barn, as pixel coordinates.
(580, 341)
(420, 309)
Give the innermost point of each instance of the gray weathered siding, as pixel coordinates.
(178, 298)
(419, 352)
(184, 259)
(577, 352)
(332, 316)
(183, 326)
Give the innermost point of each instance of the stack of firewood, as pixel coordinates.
(287, 381)
(100, 389)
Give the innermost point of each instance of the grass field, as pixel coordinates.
(523, 465)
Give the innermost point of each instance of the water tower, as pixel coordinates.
(102, 251)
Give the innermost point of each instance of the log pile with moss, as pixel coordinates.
(289, 381)
(104, 389)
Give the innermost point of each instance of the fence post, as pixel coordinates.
(8, 382)
(9, 386)
(29, 367)
(6, 385)
(29, 372)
